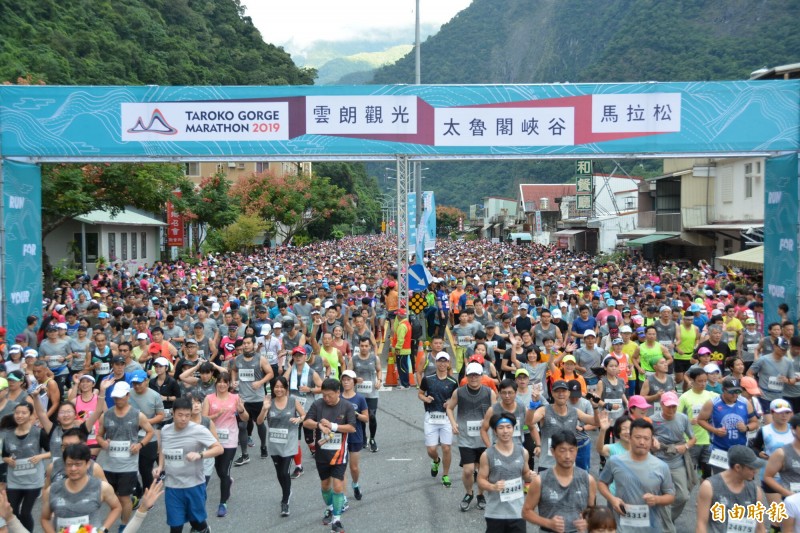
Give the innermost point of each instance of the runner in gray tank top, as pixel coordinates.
(559, 415)
(303, 382)
(368, 382)
(472, 401)
(785, 464)
(78, 499)
(507, 394)
(557, 498)
(502, 475)
(735, 486)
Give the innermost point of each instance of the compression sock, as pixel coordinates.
(327, 497)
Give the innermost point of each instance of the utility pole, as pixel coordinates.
(417, 164)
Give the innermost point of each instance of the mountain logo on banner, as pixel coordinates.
(158, 124)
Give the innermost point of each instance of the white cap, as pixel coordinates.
(625, 329)
(215, 306)
(161, 361)
(589, 333)
(266, 329)
(442, 355)
(121, 389)
(556, 313)
(349, 373)
(277, 325)
(711, 367)
(141, 337)
(474, 368)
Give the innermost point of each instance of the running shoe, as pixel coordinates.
(446, 481)
(135, 502)
(435, 467)
(465, 501)
(481, 502)
(250, 442)
(242, 460)
(264, 453)
(284, 509)
(345, 505)
(373, 446)
(357, 493)
(298, 471)
(222, 510)
(327, 518)
(337, 527)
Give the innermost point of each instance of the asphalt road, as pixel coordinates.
(399, 493)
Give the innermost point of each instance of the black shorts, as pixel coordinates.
(682, 365)
(767, 490)
(506, 525)
(326, 471)
(354, 447)
(470, 455)
(124, 483)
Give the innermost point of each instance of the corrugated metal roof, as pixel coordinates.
(533, 192)
(124, 218)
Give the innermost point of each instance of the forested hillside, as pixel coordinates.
(160, 42)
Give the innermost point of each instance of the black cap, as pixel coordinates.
(742, 455)
(574, 387)
(559, 385)
(117, 359)
(731, 385)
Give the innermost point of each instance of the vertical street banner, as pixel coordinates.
(411, 206)
(584, 187)
(22, 244)
(429, 220)
(174, 225)
(780, 236)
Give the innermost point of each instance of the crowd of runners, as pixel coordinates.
(535, 362)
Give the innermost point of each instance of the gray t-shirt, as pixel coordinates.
(671, 432)
(183, 474)
(80, 347)
(768, 370)
(149, 403)
(52, 352)
(589, 359)
(635, 478)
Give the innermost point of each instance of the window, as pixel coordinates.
(133, 245)
(92, 247)
(748, 186)
(144, 244)
(726, 184)
(262, 166)
(192, 169)
(221, 168)
(629, 204)
(751, 172)
(124, 245)
(112, 247)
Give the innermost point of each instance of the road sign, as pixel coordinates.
(418, 278)
(417, 303)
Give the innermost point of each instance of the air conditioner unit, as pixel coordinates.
(544, 204)
(241, 166)
(231, 165)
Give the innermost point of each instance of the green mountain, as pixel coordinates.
(549, 41)
(161, 42)
(363, 64)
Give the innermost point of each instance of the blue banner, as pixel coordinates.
(781, 236)
(311, 122)
(22, 260)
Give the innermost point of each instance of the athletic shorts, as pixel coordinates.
(185, 505)
(436, 434)
(326, 471)
(764, 404)
(124, 483)
(470, 456)
(354, 447)
(682, 365)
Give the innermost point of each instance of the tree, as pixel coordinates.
(240, 235)
(291, 201)
(353, 178)
(211, 205)
(69, 191)
(447, 218)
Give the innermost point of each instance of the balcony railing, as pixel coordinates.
(668, 222)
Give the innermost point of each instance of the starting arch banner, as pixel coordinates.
(426, 122)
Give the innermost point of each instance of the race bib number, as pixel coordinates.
(750, 347)
(105, 368)
(718, 458)
(120, 449)
(356, 351)
(463, 340)
(24, 467)
(167, 414)
(656, 408)
(173, 457)
(272, 355)
(615, 404)
(635, 516)
(334, 444)
(512, 490)
(474, 428)
(279, 435)
(247, 374)
(76, 521)
(773, 383)
(303, 401)
(437, 418)
(517, 429)
(223, 435)
(201, 353)
(696, 410)
(141, 434)
(365, 387)
(54, 360)
(665, 344)
(745, 525)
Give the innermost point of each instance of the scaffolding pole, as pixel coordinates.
(402, 231)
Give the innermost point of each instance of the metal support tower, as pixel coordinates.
(402, 230)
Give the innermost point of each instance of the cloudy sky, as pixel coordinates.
(296, 24)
